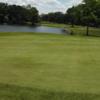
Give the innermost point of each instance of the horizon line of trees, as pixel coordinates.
(15, 14)
(86, 13)
(55, 17)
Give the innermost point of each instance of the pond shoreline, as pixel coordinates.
(39, 28)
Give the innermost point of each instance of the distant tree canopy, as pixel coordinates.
(57, 17)
(14, 14)
(86, 13)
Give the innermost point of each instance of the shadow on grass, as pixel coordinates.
(13, 92)
(2, 34)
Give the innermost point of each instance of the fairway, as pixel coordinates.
(35, 66)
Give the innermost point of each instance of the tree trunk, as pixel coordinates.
(87, 30)
(72, 23)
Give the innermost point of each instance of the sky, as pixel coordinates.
(46, 6)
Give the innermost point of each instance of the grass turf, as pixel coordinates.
(77, 30)
(36, 66)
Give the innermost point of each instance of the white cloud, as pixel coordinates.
(45, 6)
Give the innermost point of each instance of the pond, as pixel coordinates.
(42, 29)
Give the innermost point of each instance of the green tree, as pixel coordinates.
(15, 14)
(57, 17)
(3, 12)
(89, 13)
(34, 15)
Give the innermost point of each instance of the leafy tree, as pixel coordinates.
(89, 13)
(15, 14)
(72, 14)
(57, 17)
(33, 15)
(3, 12)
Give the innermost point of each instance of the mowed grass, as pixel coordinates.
(35, 66)
(77, 30)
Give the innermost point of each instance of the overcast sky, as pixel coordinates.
(45, 6)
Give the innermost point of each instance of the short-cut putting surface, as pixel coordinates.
(49, 67)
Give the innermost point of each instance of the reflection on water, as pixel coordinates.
(43, 29)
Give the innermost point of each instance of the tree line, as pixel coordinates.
(15, 14)
(86, 13)
(56, 17)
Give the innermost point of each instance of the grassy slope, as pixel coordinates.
(49, 24)
(49, 67)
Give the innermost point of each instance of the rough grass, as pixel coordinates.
(12, 92)
(35, 66)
